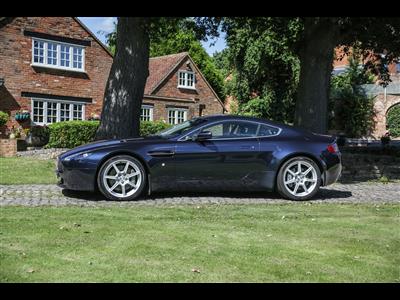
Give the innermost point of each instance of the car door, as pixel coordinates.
(225, 161)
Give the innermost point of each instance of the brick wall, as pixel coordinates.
(364, 167)
(8, 148)
(19, 75)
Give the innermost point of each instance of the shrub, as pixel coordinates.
(393, 121)
(152, 127)
(351, 109)
(3, 118)
(71, 134)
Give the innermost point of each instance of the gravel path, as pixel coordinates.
(52, 195)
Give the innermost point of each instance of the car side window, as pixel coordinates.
(233, 129)
(266, 130)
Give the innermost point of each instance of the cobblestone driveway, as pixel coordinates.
(39, 195)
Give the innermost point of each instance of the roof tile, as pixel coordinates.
(159, 68)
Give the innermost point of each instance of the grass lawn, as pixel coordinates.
(208, 243)
(19, 170)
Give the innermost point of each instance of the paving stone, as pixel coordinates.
(52, 195)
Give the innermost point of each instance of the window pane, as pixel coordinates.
(64, 112)
(266, 130)
(77, 112)
(65, 56)
(38, 111)
(77, 58)
(171, 117)
(233, 129)
(51, 112)
(38, 52)
(51, 53)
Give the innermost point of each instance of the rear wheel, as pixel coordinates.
(299, 178)
(121, 177)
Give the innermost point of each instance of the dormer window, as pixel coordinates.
(51, 54)
(186, 79)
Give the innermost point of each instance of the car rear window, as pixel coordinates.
(266, 130)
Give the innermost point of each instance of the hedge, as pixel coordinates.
(71, 134)
(393, 121)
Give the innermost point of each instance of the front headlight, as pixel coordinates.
(77, 156)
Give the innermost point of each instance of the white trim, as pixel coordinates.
(58, 49)
(185, 80)
(181, 139)
(58, 109)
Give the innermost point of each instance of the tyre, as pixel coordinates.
(299, 178)
(121, 177)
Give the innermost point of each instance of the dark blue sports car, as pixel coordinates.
(223, 152)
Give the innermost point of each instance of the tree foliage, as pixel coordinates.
(351, 109)
(263, 65)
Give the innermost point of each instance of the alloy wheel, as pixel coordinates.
(122, 178)
(300, 178)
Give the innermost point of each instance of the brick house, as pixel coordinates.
(56, 69)
(385, 97)
(176, 90)
(53, 67)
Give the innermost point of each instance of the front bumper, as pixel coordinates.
(79, 179)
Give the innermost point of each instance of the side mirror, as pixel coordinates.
(202, 136)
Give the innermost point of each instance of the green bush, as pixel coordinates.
(3, 118)
(149, 127)
(351, 109)
(71, 134)
(393, 121)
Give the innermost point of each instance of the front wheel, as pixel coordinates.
(121, 177)
(299, 179)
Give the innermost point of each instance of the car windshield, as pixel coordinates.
(180, 128)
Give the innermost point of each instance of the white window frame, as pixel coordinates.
(58, 110)
(185, 80)
(175, 118)
(150, 108)
(58, 65)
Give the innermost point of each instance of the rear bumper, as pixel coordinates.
(332, 174)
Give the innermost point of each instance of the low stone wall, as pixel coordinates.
(42, 153)
(8, 147)
(364, 167)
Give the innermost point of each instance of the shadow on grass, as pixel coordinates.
(323, 194)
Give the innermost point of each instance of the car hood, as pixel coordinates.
(106, 143)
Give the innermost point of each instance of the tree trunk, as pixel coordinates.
(123, 96)
(316, 62)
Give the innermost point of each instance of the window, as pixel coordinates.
(233, 129)
(58, 55)
(51, 111)
(186, 79)
(240, 129)
(147, 113)
(177, 115)
(266, 130)
(398, 67)
(65, 56)
(38, 52)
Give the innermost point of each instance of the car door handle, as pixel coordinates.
(161, 153)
